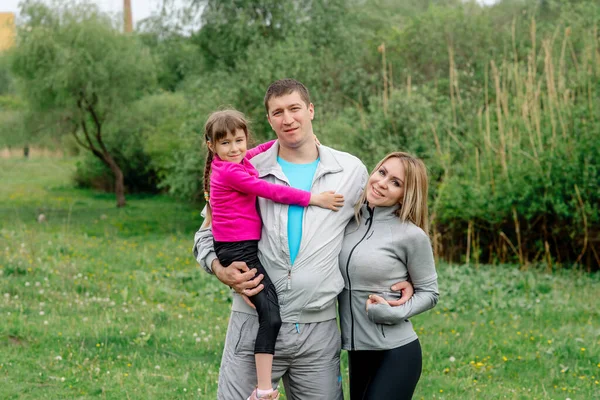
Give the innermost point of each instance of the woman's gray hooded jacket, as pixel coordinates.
(379, 252)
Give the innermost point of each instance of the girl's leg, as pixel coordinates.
(398, 373)
(267, 306)
(269, 319)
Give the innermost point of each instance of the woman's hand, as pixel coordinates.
(407, 290)
(374, 299)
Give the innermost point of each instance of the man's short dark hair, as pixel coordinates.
(284, 87)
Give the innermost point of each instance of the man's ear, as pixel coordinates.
(311, 111)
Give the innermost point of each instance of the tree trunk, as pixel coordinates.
(119, 181)
(102, 153)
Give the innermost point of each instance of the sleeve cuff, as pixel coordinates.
(208, 260)
(384, 314)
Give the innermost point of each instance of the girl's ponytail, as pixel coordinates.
(207, 169)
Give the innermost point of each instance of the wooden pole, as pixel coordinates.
(127, 17)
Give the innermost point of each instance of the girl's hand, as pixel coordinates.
(329, 200)
(374, 299)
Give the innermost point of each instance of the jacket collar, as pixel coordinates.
(379, 213)
(266, 163)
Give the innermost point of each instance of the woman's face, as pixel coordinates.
(386, 186)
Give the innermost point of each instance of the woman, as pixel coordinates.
(387, 243)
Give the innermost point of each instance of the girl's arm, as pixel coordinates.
(261, 148)
(237, 178)
(421, 269)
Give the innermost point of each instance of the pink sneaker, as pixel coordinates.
(273, 395)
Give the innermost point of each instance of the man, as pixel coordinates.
(299, 249)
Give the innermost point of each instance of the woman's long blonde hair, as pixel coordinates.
(413, 206)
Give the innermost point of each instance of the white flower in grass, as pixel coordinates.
(62, 379)
(157, 367)
(45, 322)
(42, 313)
(27, 284)
(198, 340)
(452, 359)
(58, 358)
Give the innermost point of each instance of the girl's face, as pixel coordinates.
(386, 186)
(231, 148)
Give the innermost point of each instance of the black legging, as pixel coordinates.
(386, 374)
(267, 305)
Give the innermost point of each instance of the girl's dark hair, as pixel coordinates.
(217, 126)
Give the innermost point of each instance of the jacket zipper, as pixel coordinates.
(370, 222)
(289, 269)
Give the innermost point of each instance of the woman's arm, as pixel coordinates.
(421, 270)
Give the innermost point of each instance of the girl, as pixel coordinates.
(231, 184)
(387, 243)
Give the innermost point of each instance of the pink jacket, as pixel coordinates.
(233, 191)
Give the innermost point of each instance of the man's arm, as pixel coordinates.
(204, 251)
(237, 275)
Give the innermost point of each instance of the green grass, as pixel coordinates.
(109, 303)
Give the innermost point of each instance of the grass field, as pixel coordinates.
(109, 303)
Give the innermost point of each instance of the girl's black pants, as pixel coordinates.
(385, 374)
(267, 305)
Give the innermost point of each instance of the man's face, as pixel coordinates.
(291, 119)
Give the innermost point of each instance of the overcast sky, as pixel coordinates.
(141, 8)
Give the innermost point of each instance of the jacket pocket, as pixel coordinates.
(381, 329)
(245, 337)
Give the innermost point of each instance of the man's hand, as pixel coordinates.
(238, 277)
(407, 291)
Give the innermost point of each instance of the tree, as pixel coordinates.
(72, 62)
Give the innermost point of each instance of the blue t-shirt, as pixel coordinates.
(301, 177)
